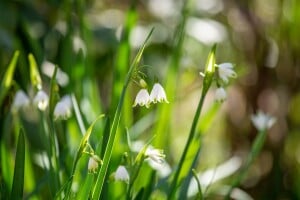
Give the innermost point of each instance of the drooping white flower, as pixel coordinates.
(156, 155)
(226, 71)
(63, 108)
(262, 121)
(41, 100)
(158, 94)
(21, 100)
(220, 94)
(93, 163)
(61, 77)
(121, 174)
(142, 98)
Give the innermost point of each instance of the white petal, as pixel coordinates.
(262, 121)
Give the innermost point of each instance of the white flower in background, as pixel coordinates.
(156, 155)
(142, 98)
(158, 94)
(226, 71)
(121, 174)
(220, 94)
(262, 121)
(61, 77)
(93, 163)
(41, 99)
(163, 169)
(79, 45)
(63, 108)
(21, 100)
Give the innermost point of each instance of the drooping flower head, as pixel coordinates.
(158, 94)
(156, 155)
(262, 121)
(225, 71)
(93, 163)
(122, 174)
(63, 108)
(220, 94)
(142, 98)
(41, 100)
(21, 100)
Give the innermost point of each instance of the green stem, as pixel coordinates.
(256, 148)
(132, 180)
(186, 148)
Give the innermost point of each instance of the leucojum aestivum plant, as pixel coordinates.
(130, 167)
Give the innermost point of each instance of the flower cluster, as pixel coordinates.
(158, 94)
(21, 100)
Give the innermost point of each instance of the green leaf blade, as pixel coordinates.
(18, 181)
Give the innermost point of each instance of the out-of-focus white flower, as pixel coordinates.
(262, 121)
(226, 71)
(21, 100)
(163, 169)
(142, 98)
(93, 163)
(78, 44)
(220, 94)
(63, 108)
(41, 100)
(158, 94)
(121, 174)
(61, 77)
(156, 155)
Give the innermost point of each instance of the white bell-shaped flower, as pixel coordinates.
(122, 174)
(63, 109)
(142, 98)
(220, 94)
(21, 100)
(93, 163)
(41, 100)
(262, 121)
(158, 94)
(156, 155)
(226, 71)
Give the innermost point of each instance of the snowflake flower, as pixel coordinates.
(93, 163)
(142, 98)
(121, 174)
(158, 94)
(21, 100)
(41, 99)
(220, 94)
(63, 108)
(226, 71)
(262, 121)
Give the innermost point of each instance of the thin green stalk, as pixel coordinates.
(107, 155)
(256, 148)
(209, 74)
(199, 194)
(186, 148)
(132, 180)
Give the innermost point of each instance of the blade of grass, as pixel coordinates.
(8, 76)
(115, 124)
(18, 181)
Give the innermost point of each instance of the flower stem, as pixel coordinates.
(256, 148)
